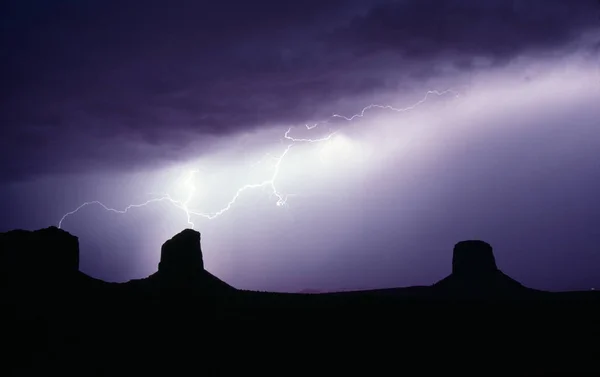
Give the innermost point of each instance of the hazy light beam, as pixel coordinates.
(269, 183)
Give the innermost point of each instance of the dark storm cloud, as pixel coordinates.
(499, 29)
(86, 83)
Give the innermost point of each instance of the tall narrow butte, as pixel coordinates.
(181, 255)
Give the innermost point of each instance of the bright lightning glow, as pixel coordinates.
(336, 145)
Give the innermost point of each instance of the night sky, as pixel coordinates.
(493, 133)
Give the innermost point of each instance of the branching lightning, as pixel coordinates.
(269, 184)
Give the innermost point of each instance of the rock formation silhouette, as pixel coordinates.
(475, 274)
(181, 255)
(181, 265)
(52, 255)
(472, 258)
(47, 255)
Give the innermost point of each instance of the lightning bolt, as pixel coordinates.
(267, 184)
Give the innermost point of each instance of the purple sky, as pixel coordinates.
(118, 101)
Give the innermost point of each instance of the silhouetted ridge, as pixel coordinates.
(183, 320)
(47, 253)
(475, 274)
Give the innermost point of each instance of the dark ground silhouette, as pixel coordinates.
(182, 320)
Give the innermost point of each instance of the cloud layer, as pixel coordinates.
(112, 85)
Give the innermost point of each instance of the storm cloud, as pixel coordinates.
(128, 85)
